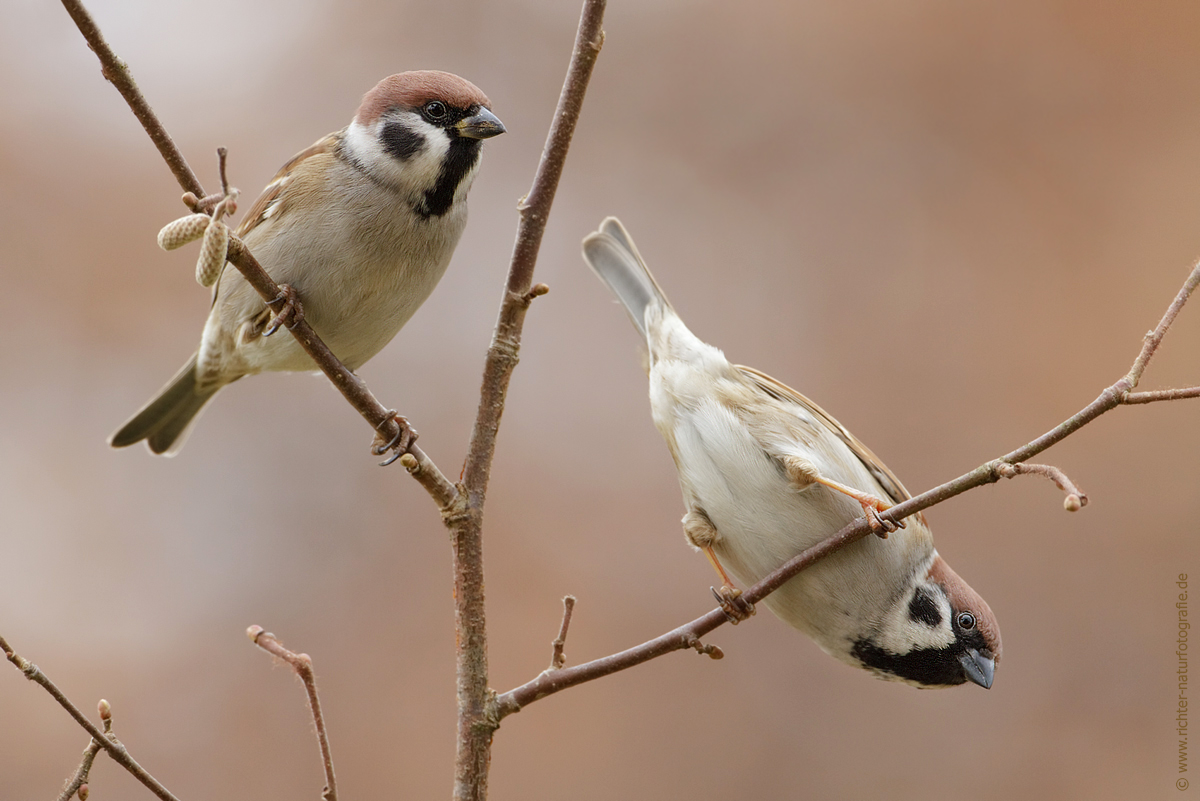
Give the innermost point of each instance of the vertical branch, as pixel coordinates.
(559, 658)
(477, 720)
(535, 210)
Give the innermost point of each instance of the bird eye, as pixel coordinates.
(966, 621)
(435, 109)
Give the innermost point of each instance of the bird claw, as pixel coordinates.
(290, 314)
(880, 527)
(404, 439)
(735, 607)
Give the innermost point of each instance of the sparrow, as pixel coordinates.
(766, 473)
(361, 225)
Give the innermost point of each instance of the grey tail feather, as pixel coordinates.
(611, 254)
(165, 420)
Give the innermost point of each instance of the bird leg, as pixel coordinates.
(729, 597)
(804, 473)
(701, 533)
(289, 314)
(872, 505)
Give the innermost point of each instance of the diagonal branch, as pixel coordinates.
(1154, 338)
(346, 382)
(554, 681)
(117, 73)
(111, 745)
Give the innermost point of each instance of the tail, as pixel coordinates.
(611, 254)
(165, 421)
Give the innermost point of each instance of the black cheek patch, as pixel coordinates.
(401, 141)
(924, 609)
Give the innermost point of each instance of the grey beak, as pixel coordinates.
(483, 125)
(979, 668)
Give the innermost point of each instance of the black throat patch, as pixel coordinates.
(460, 160)
(932, 667)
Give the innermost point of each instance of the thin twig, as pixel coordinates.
(558, 659)
(551, 682)
(302, 664)
(1156, 395)
(709, 650)
(476, 719)
(1075, 499)
(1155, 337)
(354, 390)
(118, 74)
(222, 158)
(80, 776)
(110, 744)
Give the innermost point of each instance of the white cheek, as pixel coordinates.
(901, 634)
(417, 173)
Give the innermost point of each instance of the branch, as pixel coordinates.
(302, 664)
(535, 211)
(476, 718)
(382, 420)
(686, 636)
(117, 73)
(1155, 337)
(558, 658)
(1075, 499)
(1161, 395)
(78, 781)
(107, 741)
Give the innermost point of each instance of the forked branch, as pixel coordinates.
(476, 722)
(480, 710)
(554, 681)
(111, 745)
(78, 781)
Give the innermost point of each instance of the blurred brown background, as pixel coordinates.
(949, 223)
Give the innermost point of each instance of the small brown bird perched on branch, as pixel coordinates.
(766, 473)
(361, 225)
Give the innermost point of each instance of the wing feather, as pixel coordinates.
(782, 392)
(262, 208)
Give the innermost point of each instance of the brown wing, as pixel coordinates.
(891, 485)
(262, 207)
